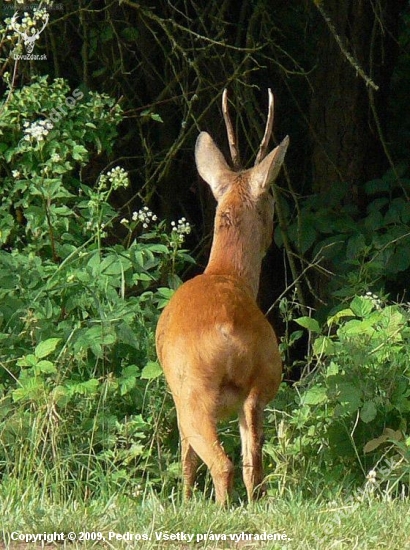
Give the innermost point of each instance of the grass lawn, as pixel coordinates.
(290, 523)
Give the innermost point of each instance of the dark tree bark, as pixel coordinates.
(347, 145)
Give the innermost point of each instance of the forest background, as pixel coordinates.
(101, 202)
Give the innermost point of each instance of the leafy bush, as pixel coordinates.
(351, 410)
(77, 316)
(365, 249)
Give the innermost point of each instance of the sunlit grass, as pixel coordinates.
(361, 521)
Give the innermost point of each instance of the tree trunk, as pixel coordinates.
(347, 145)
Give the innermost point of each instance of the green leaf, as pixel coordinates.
(295, 336)
(127, 384)
(361, 306)
(128, 379)
(160, 248)
(309, 323)
(115, 265)
(356, 327)
(368, 412)
(349, 397)
(332, 369)
(151, 371)
(339, 315)
(29, 360)
(45, 367)
(130, 370)
(88, 388)
(130, 33)
(163, 296)
(156, 117)
(43, 349)
(399, 261)
(306, 232)
(142, 277)
(355, 246)
(323, 345)
(374, 187)
(31, 389)
(314, 396)
(79, 152)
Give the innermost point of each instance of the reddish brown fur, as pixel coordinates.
(219, 353)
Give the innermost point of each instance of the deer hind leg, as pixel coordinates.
(199, 436)
(251, 431)
(189, 465)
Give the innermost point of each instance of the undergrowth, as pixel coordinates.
(81, 400)
(85, 414)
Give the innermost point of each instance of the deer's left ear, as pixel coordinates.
(264, 174)
(211, 165)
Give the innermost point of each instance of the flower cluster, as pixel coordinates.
(118, 177)
(37, 130)
(374, 299)
(114, 179)
(145, 216)
(55, 157)
(179, 230)
(371, 477)
(182, 227)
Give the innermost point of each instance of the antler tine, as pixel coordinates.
(231, 134)
(268, 130)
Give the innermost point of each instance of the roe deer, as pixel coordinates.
(219, 354)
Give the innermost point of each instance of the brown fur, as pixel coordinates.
(219, 354)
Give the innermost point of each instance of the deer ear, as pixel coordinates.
(264, 174)
(211, 165)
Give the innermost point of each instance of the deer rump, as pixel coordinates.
(218, 347)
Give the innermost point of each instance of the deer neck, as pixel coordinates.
(235, 250)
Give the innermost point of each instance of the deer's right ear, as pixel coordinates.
(211, 165)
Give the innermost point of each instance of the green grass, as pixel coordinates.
(367, 523)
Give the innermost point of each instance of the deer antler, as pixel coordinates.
(231, 134)
(233, 147)
(263, 147)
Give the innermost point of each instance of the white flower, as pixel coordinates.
(118, 177)
(178, 231)
(145, 216)
(371, 476)
(374, 299)
(183, 227)
(37, 130)
(16, 174)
